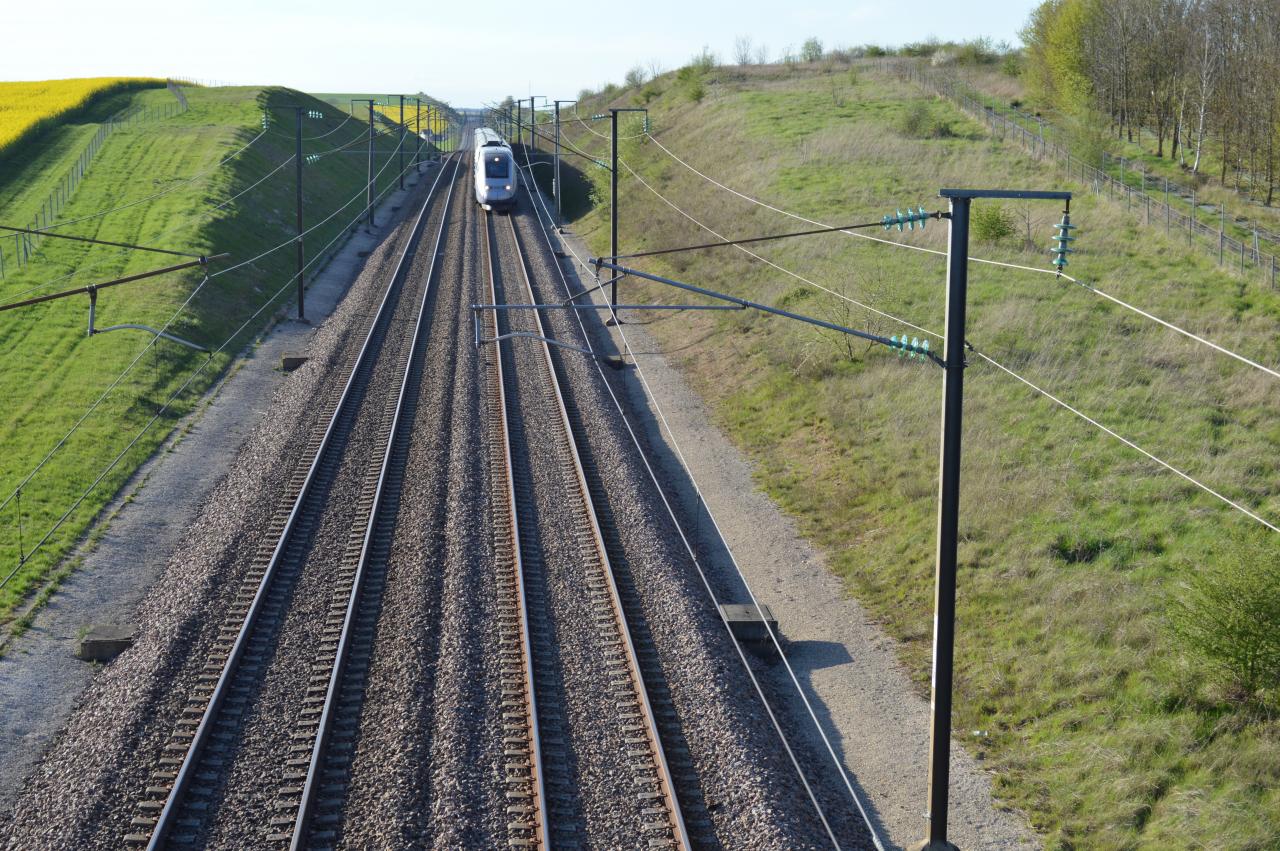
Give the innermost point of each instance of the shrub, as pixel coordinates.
(919, 122)
(991, 223)
(695, 90)
(704, 61)
(874, 51)
(920, 49)
(1227, 615)
(977, 52)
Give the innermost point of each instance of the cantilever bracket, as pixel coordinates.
(93, 304)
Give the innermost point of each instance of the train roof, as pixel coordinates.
(488, 137)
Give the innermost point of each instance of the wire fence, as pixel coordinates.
(1153, 202)
(24, 246)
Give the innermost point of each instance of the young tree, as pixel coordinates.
(742, 50)
(635, 77)
(811, 50)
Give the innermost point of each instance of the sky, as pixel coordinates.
(465, 53)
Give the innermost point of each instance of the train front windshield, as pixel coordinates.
(497, 167)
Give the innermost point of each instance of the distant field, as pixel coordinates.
(388, 106)
(24, 106)
(430, 119)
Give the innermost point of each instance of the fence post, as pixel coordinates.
(1222, 230)
(1273, 271)
(1148, 197)
(1191, 219)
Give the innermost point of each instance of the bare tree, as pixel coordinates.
(762, 54)
(655, 69)
(742, 50)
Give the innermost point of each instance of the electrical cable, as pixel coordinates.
(130, 246)
(181, 308)
(1017, 266)
(727, 242)
(168, 402)
(1046, 394)
(162, 192)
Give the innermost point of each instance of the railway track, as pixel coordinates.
(543, 777)
(183, 789)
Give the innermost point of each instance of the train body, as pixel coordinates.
(494, 173)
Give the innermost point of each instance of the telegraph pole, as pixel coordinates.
(297, 158)
(944, 620)
(559, 212)
(613, 202)
(368, 189)
(368, 186)
(417, 132)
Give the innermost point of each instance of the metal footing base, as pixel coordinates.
(933, 845)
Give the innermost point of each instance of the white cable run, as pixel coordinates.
(1053, 272)
(728, 549)
(1045, 393)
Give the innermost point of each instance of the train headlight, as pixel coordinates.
(507, 187)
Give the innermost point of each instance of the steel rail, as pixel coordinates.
(536, 778)
(168, 815)
(302, 821)
(665, 781)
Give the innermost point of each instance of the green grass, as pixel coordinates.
(1071, 543)
(52, 372)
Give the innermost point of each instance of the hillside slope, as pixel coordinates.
(1069, 683)
(212, 179)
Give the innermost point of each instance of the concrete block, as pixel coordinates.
(289, 361)
(104, 642)
(747, 623)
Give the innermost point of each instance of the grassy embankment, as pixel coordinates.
(52, 372)
(1069, 685)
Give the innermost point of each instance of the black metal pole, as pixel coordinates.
(417, 132)
(556, 176)
(948, 528)
(368, 187)
(400, 147)
(297, 156)
(613, 200)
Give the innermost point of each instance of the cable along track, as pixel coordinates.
(193, 762)
(540, 774)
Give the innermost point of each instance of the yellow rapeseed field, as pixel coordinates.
(24, 105)
(437, 122)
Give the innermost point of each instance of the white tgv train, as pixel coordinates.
(494, 171)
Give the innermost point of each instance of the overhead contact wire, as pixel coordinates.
(1252, 515)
